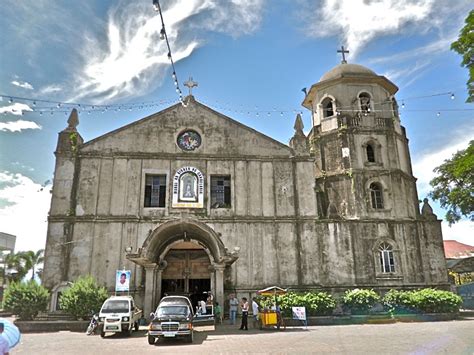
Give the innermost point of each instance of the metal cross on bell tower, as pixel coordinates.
(190, 84)
(343, 52)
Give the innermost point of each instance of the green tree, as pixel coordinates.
(32, 260)
(465, 47)
(454, 185)
(15, 267)
(19, 264)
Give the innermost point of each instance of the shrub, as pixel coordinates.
(25, 299)
(359, 301)
(426, 300)
(316, 303)
(429, 300)
(83, 298)
(399, 302)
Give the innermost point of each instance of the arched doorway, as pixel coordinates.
(174, 257)
(186, 270)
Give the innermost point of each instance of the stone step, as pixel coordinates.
(43, 316)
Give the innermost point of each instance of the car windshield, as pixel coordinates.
(115, 306)
(172, 311)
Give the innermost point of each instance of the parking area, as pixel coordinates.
(453, 337)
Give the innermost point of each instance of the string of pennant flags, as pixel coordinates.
(51, 107)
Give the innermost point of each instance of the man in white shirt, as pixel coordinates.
(255, 312)
(202, 305)
(245, 312)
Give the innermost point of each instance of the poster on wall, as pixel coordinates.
(122, 280)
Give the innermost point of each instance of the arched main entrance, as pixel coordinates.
(176, 255)
(186, 270)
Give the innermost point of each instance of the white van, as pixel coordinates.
(119, 314)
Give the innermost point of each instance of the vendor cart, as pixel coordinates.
(271, 318)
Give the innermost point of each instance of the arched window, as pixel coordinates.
(370, 153)
(387, 263)
(364, 101)
(328, 108)
(376, 195)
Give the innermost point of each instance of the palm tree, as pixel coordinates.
(31, 260)
(15, 267)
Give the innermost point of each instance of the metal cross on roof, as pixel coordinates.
(190, 84)
(343, 52)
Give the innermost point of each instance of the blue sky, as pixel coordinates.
(251, 59)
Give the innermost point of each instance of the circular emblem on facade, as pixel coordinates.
(189, 140)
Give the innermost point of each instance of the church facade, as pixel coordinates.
(188, 199)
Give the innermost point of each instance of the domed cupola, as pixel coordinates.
(347, 90)
(347, 70)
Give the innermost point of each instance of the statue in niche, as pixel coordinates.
(188, 187)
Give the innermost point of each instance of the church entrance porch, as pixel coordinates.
(182, 256)
(187, 271)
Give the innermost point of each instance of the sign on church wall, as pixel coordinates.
(188, 188)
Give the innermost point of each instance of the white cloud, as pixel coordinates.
(133, 59)
(436, 47)
(360, 21)
(16, 109)
(424, 165)
(49, 89)
(18, 126)
(462, 231)
(411, 72)
(26, 212)
(22, 84)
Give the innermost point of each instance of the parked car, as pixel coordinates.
(119, 314)
(174, 318)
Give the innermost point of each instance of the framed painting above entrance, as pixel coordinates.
(188, 188)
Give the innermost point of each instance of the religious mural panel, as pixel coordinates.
(188, 188)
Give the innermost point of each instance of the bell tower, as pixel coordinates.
(363, 167)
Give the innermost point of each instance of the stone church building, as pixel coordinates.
(188, 198)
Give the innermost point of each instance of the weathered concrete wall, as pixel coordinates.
(339, 254)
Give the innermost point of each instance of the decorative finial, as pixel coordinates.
(73, 120)
(298, 125)
(343, 52)
(305, 91)
(190, 84)
(427, 211)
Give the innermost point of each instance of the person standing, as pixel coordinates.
(255, 312)
(233, 304)
(245, 313)
(218, 313)
(4, 348)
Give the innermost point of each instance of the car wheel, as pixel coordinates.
(102, 334)
(137, 327)
(151, 340)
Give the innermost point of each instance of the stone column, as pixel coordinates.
(220, 284)
(212, 272)
(149, 289)
(157, 292)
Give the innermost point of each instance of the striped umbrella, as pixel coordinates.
(10, 333)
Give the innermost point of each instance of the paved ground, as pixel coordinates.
(454, 337)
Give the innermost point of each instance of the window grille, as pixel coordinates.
(387, 263)
(155, 191)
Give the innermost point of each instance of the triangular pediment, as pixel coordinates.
(158, 134)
